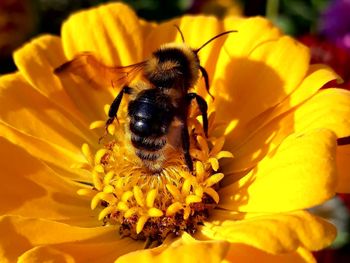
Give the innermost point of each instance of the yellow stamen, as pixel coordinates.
(174, 191)
(214, 179)
(106, 108)
(130, 212)
(106, 212)
(151, 196)
(97, 124)
(140, 223)
(108, 177)
(87, 152)
(108, 189)
(213, 194)
(99, 168)
(214, 163)
(122, 206)
(128, 194)
(203, 144)
(224, 154)
(193, 199)
(96, 180)
(174, 208)
(139, 196)
(111, 129)
(98, 156)
(186, 187)
(154, 212)
(86, 192)
(219, 143)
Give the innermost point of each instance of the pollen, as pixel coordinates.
(150, 206)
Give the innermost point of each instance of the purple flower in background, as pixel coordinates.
(335, 23)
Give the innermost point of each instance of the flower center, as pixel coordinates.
(146, 205)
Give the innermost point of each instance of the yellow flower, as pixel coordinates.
(269, 113)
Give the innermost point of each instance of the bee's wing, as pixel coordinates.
(87, 66)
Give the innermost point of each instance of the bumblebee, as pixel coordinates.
(158, 102)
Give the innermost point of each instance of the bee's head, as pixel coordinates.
(173, 66)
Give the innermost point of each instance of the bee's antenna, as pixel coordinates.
(217, 36)
(182, 36)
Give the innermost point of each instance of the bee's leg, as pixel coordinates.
(186, 145)
(113, 109)
(203, 107)
(206, 80)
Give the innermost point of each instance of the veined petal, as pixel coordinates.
(32, 189)
(303, 163)
(333, 103)
(252, 32)
(27, 233)
(111, 31)
(184, 249)
(52, 154)
(92, 252)
(343, 160)
(241, 253)
(278, 233)
(36, 61)
(317, 76)
(278, 68)
(32, 113)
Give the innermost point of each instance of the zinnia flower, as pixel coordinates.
(271, 151)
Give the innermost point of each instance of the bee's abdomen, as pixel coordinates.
(148, 144)
(151, 115)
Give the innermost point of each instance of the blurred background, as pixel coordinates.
(323, 25)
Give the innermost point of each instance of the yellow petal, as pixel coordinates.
(279, 67)
(343, 163)
(329, 109)
(246, 254)
(46, 151)
(111, 31)
(30, 188)
(36, 61)
(333, 103)
(32, 113)
(318, 75)
(87, 251)
(274, 233)
(181, 250)
(252, 33)
(286, 179)
(24, 233)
